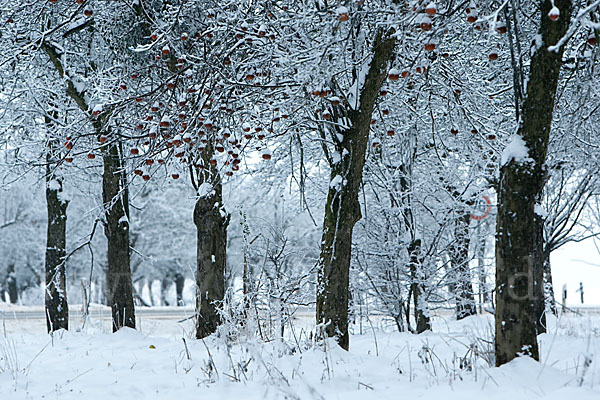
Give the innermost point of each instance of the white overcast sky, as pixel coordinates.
(574, 263)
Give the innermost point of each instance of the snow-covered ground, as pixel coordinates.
(156, 363)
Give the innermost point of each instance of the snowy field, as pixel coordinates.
(156, 363)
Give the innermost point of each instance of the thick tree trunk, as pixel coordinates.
(57, 311)
(211, 261)
(515, 305)
(211, 224)
(116, 206)
(520, 185)
(11, 284)
(343, 208)
(422, 320)
(463, 287)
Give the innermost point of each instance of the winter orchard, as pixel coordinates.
(392, 156)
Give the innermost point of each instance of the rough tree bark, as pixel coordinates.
(342, 210)
(57, 310)
(463, 285)
(211, 224)
(119, 290)
(520, 185)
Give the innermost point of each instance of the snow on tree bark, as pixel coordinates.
(115, 195)
(211, 224)
(538, 278)
(549, 286)
(342, 209)
(57, 311)
(422, 320)
(521, 182)
(463, 286)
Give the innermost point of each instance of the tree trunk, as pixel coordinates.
(415, 262)
(247, 271)
(538, 276)
(520, 185)
(116, 206)
(422, 320)
(211, 225)
(484, 294)
(11, 284)
(179, 282)
(548, 285)
(342, 210)
(515, 305)
(57, 310)
(102, 291)
(150, 294)
(463, 287)
(164, 286)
